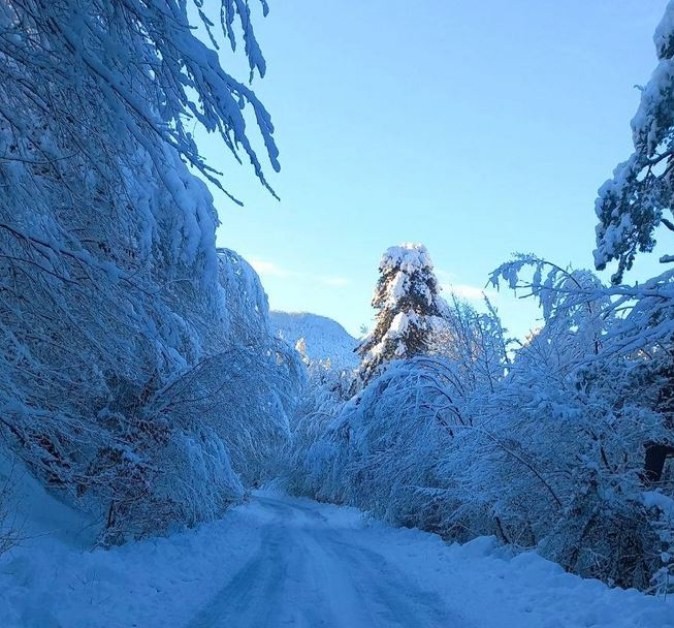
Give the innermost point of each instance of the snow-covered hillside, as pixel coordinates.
(325, 338)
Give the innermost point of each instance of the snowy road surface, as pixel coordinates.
(309, 572)
(278, 561)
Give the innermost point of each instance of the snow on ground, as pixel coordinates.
(324, 337)
(279, 561)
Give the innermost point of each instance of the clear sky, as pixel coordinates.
(477, 128)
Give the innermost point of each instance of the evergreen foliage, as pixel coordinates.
(408, 303)
(640, 195)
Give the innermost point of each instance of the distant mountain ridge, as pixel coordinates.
(325, 338)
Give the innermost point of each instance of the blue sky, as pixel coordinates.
(477, 128)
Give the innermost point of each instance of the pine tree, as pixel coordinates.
(640, 195)
(408, 306)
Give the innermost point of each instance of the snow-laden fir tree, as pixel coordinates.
(408, 307)
(640, 194)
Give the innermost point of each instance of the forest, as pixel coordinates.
(141, 381)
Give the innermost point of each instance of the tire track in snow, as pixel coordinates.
(402, 601)
(311, 573)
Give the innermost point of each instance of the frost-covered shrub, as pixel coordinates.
(381, 449)
(246, 301)
(560, 469)
(172, 445)
(660, 509)
(579, 407)
(610, 538)
(385, 442)
(544, 449)
(323, 396)
(387, 439)
(474, 342)
(245, 395)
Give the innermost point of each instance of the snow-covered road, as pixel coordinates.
(278, 561)
(309, 572)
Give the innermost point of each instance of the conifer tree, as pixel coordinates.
(408, 307)
(640, 195)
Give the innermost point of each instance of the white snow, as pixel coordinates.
(278, 561)
(408, 257)
(400, 323)
(661, 501)
(664, 31)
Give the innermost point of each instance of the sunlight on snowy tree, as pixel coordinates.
(407, 302)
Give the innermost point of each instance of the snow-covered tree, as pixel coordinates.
(408, 305)
(544, 448)
(631, 205)
(474, 342)
(640, 195)
(137, 374)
